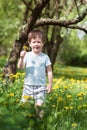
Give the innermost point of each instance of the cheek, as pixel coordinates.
(42, 45)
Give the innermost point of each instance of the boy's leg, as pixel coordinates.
(40, 98)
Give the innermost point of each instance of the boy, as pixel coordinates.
(37, 64)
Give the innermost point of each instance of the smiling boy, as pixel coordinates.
(37, 64)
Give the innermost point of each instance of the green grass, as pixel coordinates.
(65, 107)
(70, 72)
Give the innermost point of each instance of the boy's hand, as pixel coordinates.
(49, 88)
(22, 54)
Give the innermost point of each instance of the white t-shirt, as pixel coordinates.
(36, 68)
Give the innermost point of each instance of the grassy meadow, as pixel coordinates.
(65, 107)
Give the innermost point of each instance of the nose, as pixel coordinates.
(37, 43)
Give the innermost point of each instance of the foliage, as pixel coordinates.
(65, 108)
(10, 21)
(73, 50)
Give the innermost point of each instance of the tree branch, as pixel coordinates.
(63, 23)
(78, 27)
(32, 20)
(77, 7)
(36, 13)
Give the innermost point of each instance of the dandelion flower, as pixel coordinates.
(25, 48)
(26, 97)
(80, 94)
(80, 98)
(62, 91)
(53, 106)
(65, 87)
(66, 108)
(11, 94)
(60, 99)
(69, 96)
(74, 124)
(56, 87)
(71, 107)
(17, 100)
(84, 105)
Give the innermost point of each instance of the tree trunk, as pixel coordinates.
(10, 67)
(54, 44)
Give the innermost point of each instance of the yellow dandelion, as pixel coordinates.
(26, 97)
(74, 124)
(53, 105)
(56, 94)
(17, 100)
(18, 74)
(79, 107)
(85, 105)
(71, 107)
(60, 99)
(56, 87)
(11, 94)
(80, 94)
(72, 80)
(78, 81)
(22, 74)
(66, 108)
(80, 98)
(22, 81)
(65, 87)
(25, 48)
(55, 80)
(11, 76)
(3, 81)
(69, 96)
(62, 91)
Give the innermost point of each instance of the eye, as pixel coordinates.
(33, 42)
(38, 41)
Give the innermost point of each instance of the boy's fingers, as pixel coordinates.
(48, 90)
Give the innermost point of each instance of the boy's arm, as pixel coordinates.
(20, 62)
(50, 78)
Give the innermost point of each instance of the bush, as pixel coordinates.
(78, 61)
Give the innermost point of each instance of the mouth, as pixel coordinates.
(37, 47)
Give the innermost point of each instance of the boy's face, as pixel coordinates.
(36, 44)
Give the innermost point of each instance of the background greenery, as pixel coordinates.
(72, 51)
(66, 106)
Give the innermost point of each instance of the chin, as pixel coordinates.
(37, 51)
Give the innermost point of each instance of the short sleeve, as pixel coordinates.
(48, 62)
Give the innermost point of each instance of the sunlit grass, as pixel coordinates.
(65, 107)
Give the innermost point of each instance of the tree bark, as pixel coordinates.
(54, 44)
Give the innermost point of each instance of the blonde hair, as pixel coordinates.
(34, 34)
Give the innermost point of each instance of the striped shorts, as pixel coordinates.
(38, 93)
